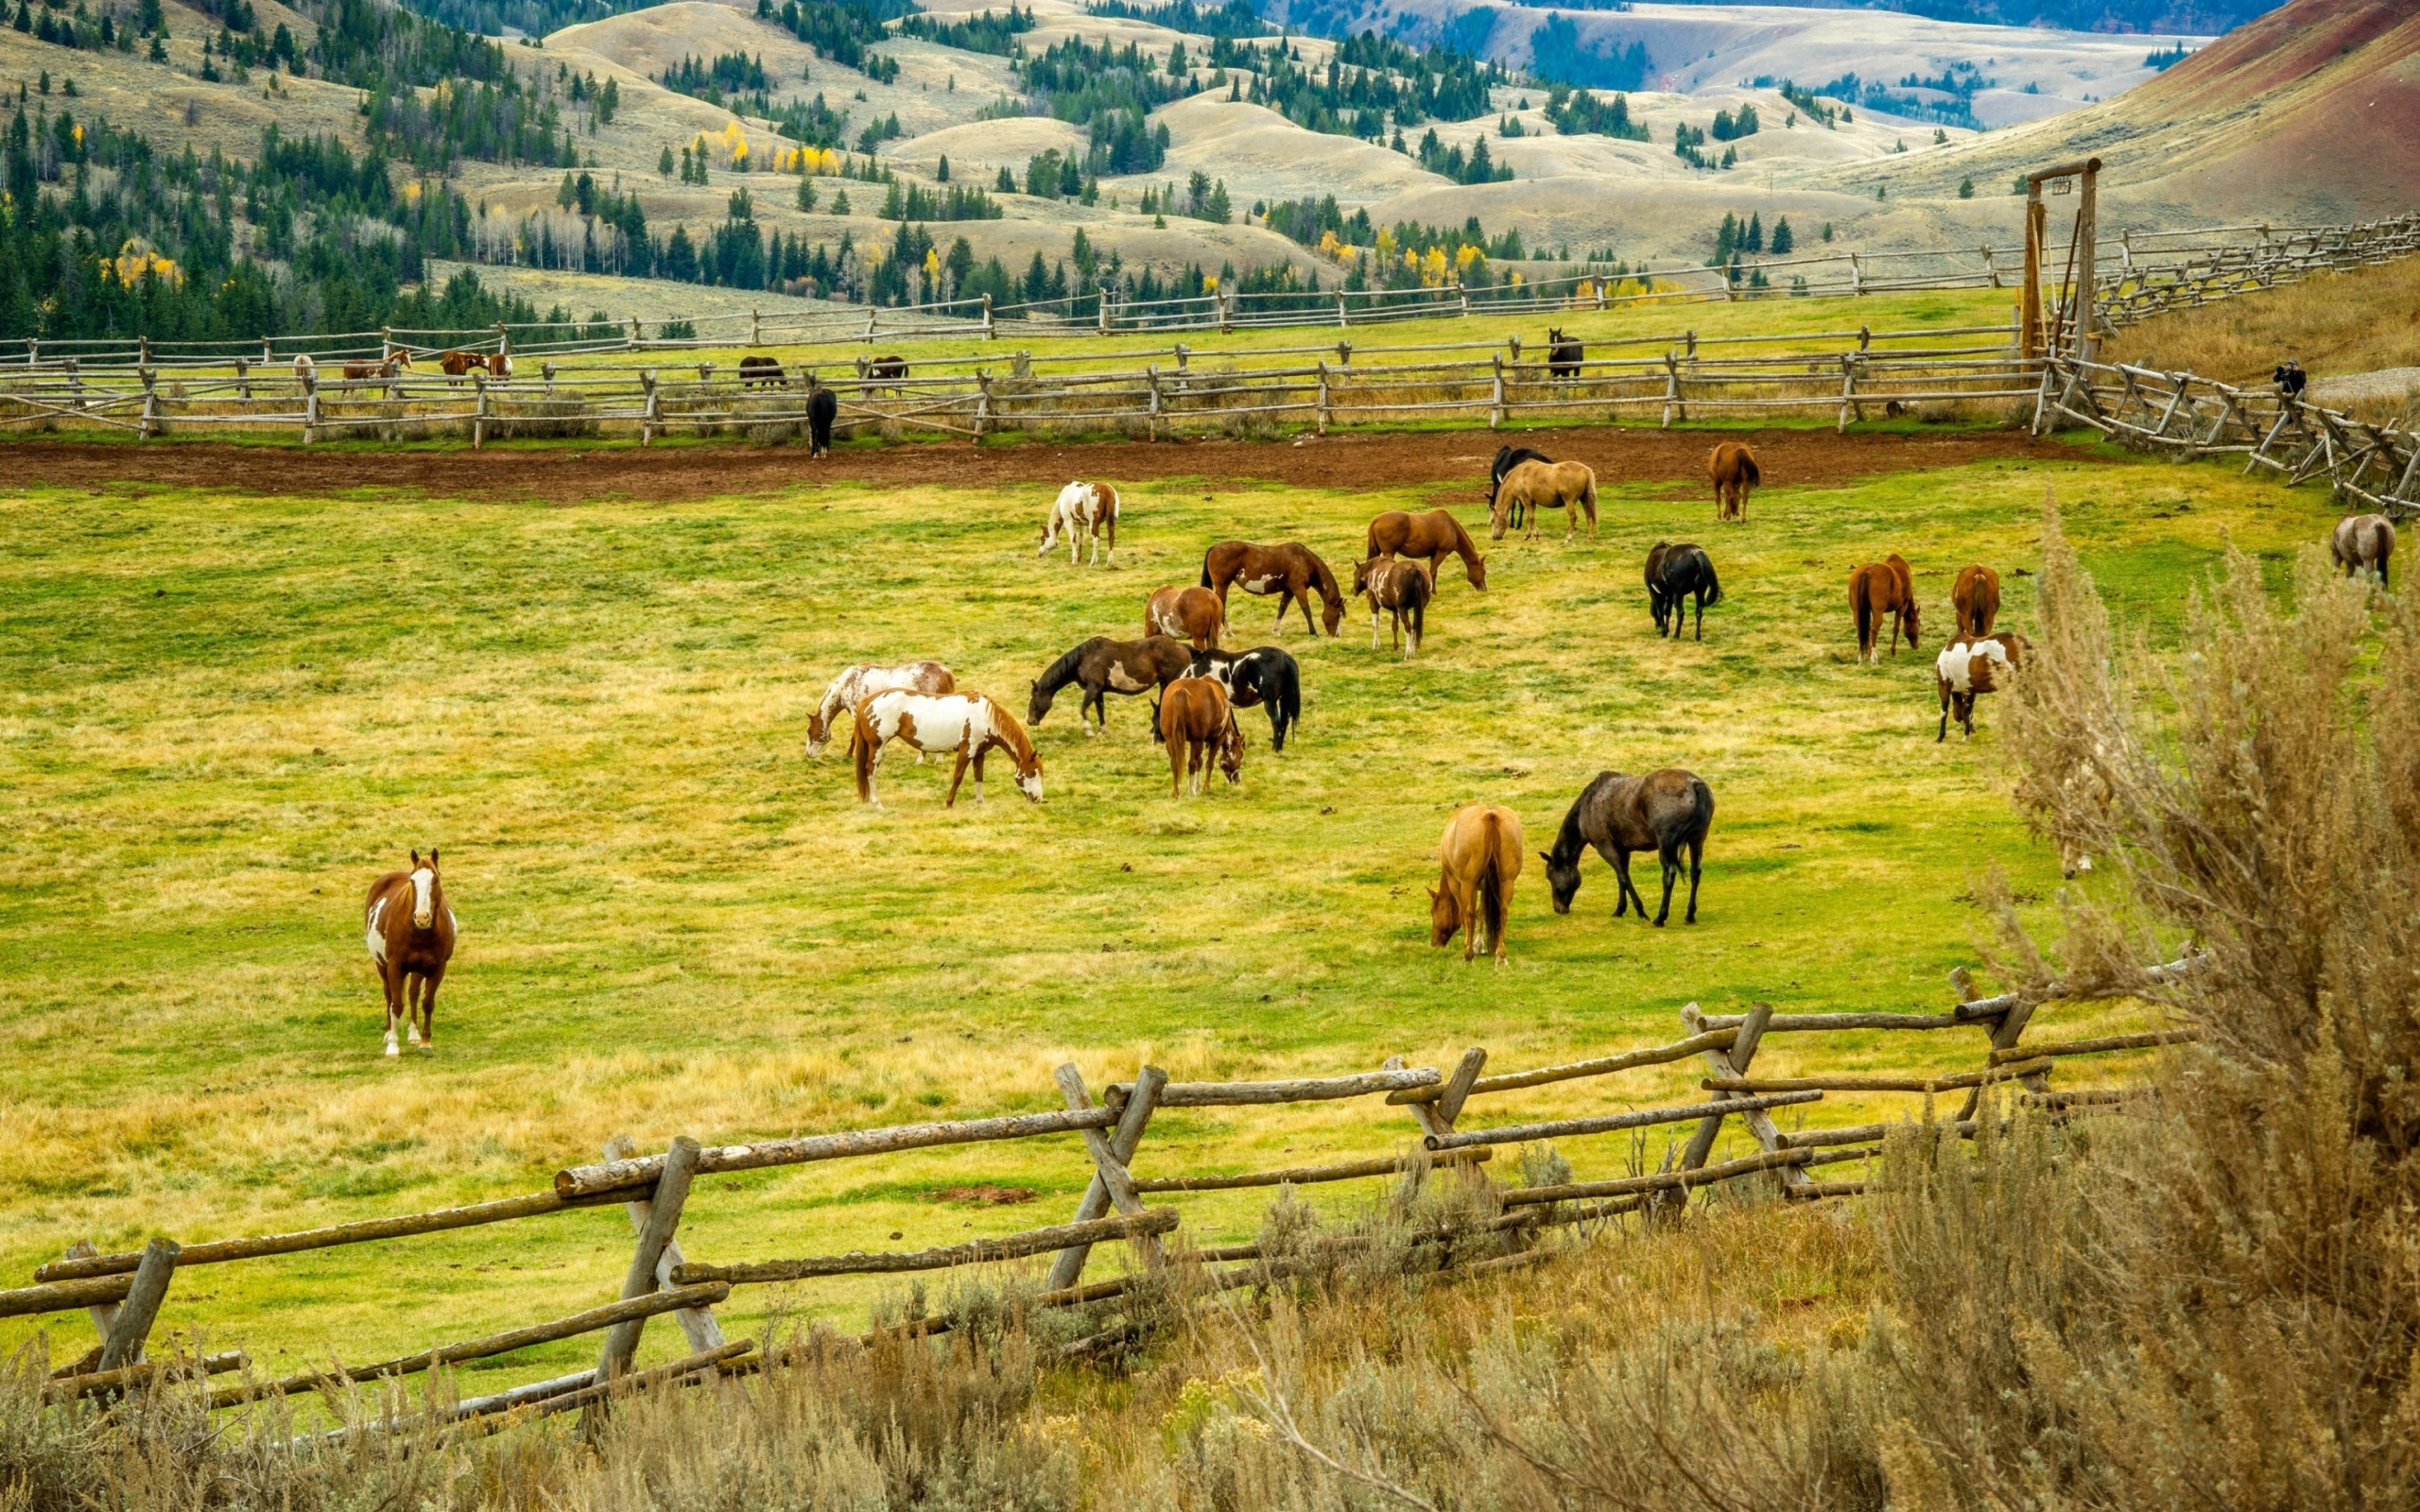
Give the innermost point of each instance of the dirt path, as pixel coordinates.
(1791, 458)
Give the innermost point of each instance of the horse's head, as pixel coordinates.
(1554, 335)
(1029, 774)
(1562, 879)
(1477, 572)
(1231, 751)
(1444, 917)
(819, 733)
(424, 890)
(1038, 703)
(1362, 575)
(1908, 620)
(398, 362)
(1332, 611)
(1499, 514)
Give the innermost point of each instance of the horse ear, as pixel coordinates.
(1547, 856)
(432, 858)
(1433, 894)
(415, 856)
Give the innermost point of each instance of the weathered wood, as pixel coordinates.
(1107, 1166)
(100, 1382)
(1142, 1099)
(1952, 1082)
(494, 1344)
(1300, 1175)
(1813, 1191)
(103, 1314)
(149, 1289)
(1656, 1055)
(2094, 1047)
(216, 1251)
(64, 1297)
(1659, 1180)
(617, 1176)
(1862, 1152)
(663, 1220)
(698, 1324)
(1986, 1011)
(1864, 1133)
(1523, 1133)
(1731, 1061)
(1311, 1089)
(973, 1252)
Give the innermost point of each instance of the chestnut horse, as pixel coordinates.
(1733, 469)
(455, 364)
(855, 685)
(395, 363)
(2363, 540)
(1431, 537)
(1879, 588)
(967, 723)
(1403, 588)
(1291, 571)
(409, 931)
(1976, 599)
(1083, 509)
(1663, 812)
(1968, 667)
(1102, 666)
(1480, 858)
(1542, 485)
(1191, 614)
(1199, 724)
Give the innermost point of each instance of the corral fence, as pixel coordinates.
(1127, 1200)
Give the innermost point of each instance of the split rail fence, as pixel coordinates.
(123, 1293)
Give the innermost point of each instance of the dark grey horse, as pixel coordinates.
(1661, 812)
(1675, 573)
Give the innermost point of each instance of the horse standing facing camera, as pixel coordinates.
(410, 930)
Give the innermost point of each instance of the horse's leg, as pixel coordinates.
(415, 988)
(1623, 891)
(1176, 768)
(957, 777)
(1671, 857)
(1096, 699)
(1697, 855)
(428, 1007)
(1701, 614)
(980, 751)
(390, 980)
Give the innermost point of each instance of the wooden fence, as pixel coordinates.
(123, 1294)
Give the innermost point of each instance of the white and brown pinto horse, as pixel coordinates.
(1293, 572)
(410, 930)
(856, 684)
(1967, 668)
(968, 724)
(1403, 587)
(1084, 509)
(1481, 858)
(2363, 540)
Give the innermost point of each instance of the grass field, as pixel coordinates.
(223, 715)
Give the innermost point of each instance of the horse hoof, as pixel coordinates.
(391, 1050)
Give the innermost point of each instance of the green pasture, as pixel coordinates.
(220, 716)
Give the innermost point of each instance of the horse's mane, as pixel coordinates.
(1568, 841)
(1330, 590)
(1062, 672)
(1463, 545)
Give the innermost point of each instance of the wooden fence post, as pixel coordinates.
(1731, 1063)
(697, 1323)
(989, 333)
(652, 419)
(243, 380)
(1226, 316)
(1672, 405)
(310, 409)
(1495, 401)
(663, 1219)
(1438, 1117)
(503, 339)
(103, 1314)
(1322, 410)
(1342, 318)
(1120, 1146)
(150, 403)
(479, 410)
(636, 334)
(982, 402)
(1848, 391)
(132, 1324)
(756, 327)
(1152, 373)
(1759, 1122)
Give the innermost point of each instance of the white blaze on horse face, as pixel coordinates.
(422, 880)
(377, 937)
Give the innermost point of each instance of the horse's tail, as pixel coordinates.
(1493, 885)
(1748, 471)
(1205, 570)
(862, 745)
(1284, 694)
(1713, 583)
(1862, 602)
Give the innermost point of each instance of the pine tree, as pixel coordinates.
(1007, 183)
(664, 162)
(158, 52)
(941, 171)
(1784, 244)
(1755, 240)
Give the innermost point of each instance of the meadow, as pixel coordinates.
(224, 713)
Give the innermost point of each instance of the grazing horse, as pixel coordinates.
(1975, 602)
(1507, 458)
(395, 363)
(855, 685)
(1083, 509)
(1292, 572)
(1564, 355)
(1879, 588)
(1544, 486)
(822, 408)
(1674, 573)
(1431, 537)
(1102, 666)
(1199, 724)
(1191, 614)
(1265, 676)
(1967, 668)
(761, 372)
(455, 364)
(2363, 540)
(883, 371)
(409, 931)
(1480, 858)
(1661, 812)
(1733, 469)
(967, 723)
(1403, 588)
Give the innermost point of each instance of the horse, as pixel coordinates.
(1431, 537)
(1191, 614)
(455, 364)
(1478, 860)
(1545, 486)
(1733, 469)
(760, 372)
(1402, 587)
(1197, 723)
(2363, 540)
(1564, 355)
(1975, 602)
(1507, 458)
(409, 929)
(822, 407)
(1967, 668)
(1264, 676)
(394, 364)
(1880, 588)
(1084, 509)
(1291, 571)
(304, 369)
(857, 683)
(1674, 573)
(882, 372)
(1102, 666)
(500, 364)
(967, 723)
(1661, 812)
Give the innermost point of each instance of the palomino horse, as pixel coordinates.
(1673, 574)
(1507, 458)
(1480, 857)
(1199, 724)
(1881, 589)
(1733, 469)
(1293, 572)
(2363, 540)
(1083, 509)
(409, 931)
(1542, 485)
(966, 723)
(1967, 668)
(1102, 666)
(855, 685)
(1975, 602)
(1191, 614)
(1431, 537)
(1265, 676)
(304, 369)
(1661, 812)
(1403, 590)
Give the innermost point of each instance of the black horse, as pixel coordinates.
(1507, 458)
(822, 407)
(1264, 674)
(1564, 354)
(1102, 666)
(1673, 574)
(1663, 812)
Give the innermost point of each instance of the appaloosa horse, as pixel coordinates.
(969, 724)
(1675, 573)
(1733, 469)
(1975, 601)
(1266, 676)
(1431, 537)
(1292, 570)
(410, 930)
(1881, 590)
(1400, 588)
(1663, 811)
(2363, 540)
(855, 685)
(1083, 509)
(1197, 723)
(1542, 485)
(1507, 458)
(1478, 860)
(1191, 614)
(1967, 668)
(1102, 666)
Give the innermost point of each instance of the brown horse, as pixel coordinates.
(1542, 486)
(1480, 857)
(411, 933)
(1403, 590)
(1193, 614)
(968, 724)
(1292, 572)
(1733, 469)
(2363, 540)
(455, 364)
(396, 363)
(1663, 811)
(1199, 724)
(1102, 666)
(1431, 537)
(1976, 599)
(1879, 588)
